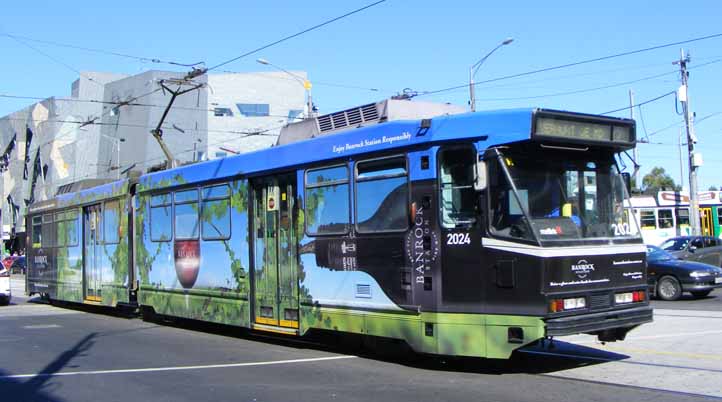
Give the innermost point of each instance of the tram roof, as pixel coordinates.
(489, 127)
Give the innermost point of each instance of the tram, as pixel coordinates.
(461, 234)
(667, 215)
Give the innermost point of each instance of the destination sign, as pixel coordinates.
(584, 131)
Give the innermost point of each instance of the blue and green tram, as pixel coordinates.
(471, 234)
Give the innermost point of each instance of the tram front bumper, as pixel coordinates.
(609, 325)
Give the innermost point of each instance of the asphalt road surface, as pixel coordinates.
(61, 354)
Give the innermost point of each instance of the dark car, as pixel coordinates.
(706, 249)
(669, 276)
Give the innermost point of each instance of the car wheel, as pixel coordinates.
(700, 294)
(668, 288)
(4, 301)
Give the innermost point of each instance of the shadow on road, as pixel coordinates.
(39, 387)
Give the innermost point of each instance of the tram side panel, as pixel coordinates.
(192, 252)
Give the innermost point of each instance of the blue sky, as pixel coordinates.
(422, 45)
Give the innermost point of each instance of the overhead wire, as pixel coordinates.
(101, 51)
(327, 22)
(572, 64)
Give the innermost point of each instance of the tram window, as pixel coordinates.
(506, 216)
(186, 214)
(327, 208)
(37, 230)
(382, 195)
(216, 213)
(48, 238)
(456, 179)
(60, 229)
(160, 218)
(664, 219)
(111, 222)
(71, 228)
(647, 219)
(719, 216)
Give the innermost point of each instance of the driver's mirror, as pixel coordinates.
(627, 178)
(480, 181)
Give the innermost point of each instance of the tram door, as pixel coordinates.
(705, 217)
(275, 270)
(92, 244)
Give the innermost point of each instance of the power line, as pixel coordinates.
(577, 63)
(101, 51)
(296, 34)
(640, 104)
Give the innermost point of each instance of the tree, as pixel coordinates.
(713, 188)
(658, 180)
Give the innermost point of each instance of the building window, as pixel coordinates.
(327, 201)
(160, 222)
(253, 109)
(186, 214)
(216, 213)
(111, 222)
(294, 113)
(222, 112)
(382, 195)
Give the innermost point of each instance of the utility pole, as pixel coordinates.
(695, 159)
(681, 165)
(635, 151)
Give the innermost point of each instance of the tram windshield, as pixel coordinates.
(558, 197)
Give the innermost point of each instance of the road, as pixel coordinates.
(61, 354)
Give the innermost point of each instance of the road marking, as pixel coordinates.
(41, 326)
(177, 368)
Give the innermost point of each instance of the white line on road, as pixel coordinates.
(41, 326)
(152, 369)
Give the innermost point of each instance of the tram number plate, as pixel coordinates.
(453, 239)
(718, 279)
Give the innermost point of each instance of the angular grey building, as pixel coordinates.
(103, 130)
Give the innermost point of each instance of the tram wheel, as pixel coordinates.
(668, 288)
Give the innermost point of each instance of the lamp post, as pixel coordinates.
(475, 67)
(306, 85)
(118, 140)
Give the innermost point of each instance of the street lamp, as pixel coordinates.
(475, 67)
(306, 84)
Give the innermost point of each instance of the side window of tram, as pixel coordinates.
(382, 195)
(327, 208)
(456, 185)
(60, 229)
(647, 219)
(71, 228)
(37, 231)
(160, 218)
(111, 222)
(216, 213)
(48, 235)
(664, 219)
(186, 215)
